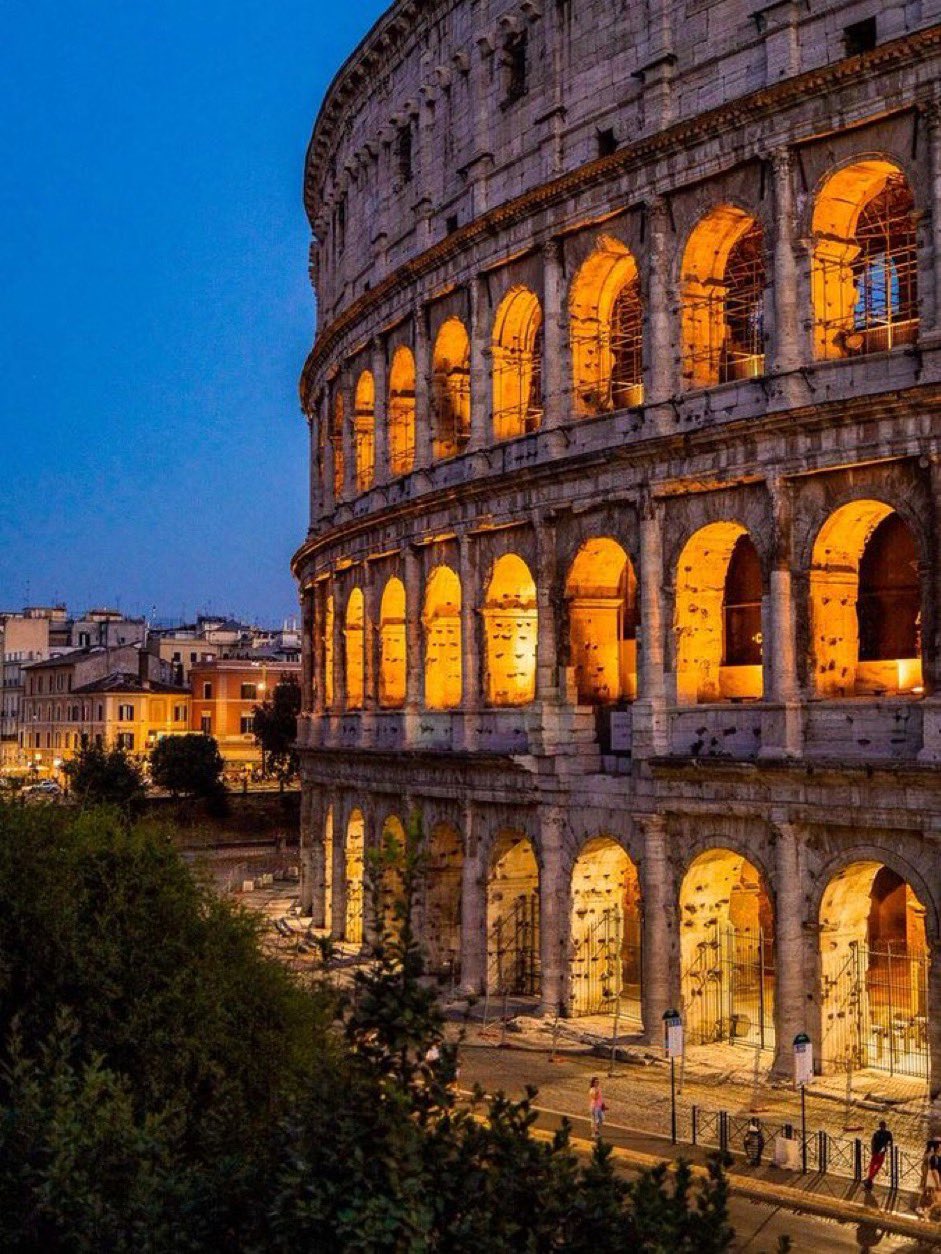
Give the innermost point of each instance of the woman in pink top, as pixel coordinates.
(596, 1106)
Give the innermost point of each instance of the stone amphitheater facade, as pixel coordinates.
(624, 561)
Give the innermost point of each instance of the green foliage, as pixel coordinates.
(100, 776)
(188, 766)
(276, 728)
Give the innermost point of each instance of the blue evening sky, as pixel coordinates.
(154, 301)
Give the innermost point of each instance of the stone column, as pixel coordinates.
(338, 895)
(470, 639)
(307, 650)
(349, 459)
(481, 424)
(660, 950)
(381, 410)
(317, 649)
(554, 908)
(316, 500)
(660, 381)
(791, 978)
(934, 1030)
(547, 650)
(423, 423)
(781, 731)
(339, 651)
(473, 910)
(370, 635)
(326, 470)
(553, 373)
(786, 347)
(307, 859)
(933, 119)
(414, 667)
(931, 623)
(650, 723)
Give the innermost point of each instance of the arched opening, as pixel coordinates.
(874, 973)
(402, 411)
(355, 636)
(450, 389)
(717, 621)
(865, 262)
(723, 299)
(442, 622)
(605, 965)
(517, 365)
(392, 646)
(364, 431)
(727, 951)
(355, 852)
(328, 870)
(865, 604)
(441, 905)
(607, 331)
(510, 631)
(391, 878)
(601, 592)
(329, 626)
(336, 443)
(513, 917)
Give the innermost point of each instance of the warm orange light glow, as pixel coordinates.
(517, 365)
(392, 884)
(355, 650)
(364, 431)
(606, 921)
(601, 592)
(513, 916)
(606, 320)
(402, 411)
(450, 389)
(511, 633)
(354, 861)
(392, 650)
(442, 622)
(328, 630)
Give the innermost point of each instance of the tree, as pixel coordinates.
(276, 728)
(188, 766)
(100, 776)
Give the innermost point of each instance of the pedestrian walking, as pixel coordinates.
(930, 1180)
(881, 1144)
(754, 1143)
(596, 1106)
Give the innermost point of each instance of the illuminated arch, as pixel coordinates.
(450, 389)
(391, 881)
(723, 282)
(329, 620)
(510, 631)
(441, 619)
(402, 411)
(865, 603)
(605, 965)
(606, 318)
(392, 648)
(513, 916)
(354, 865)
(717, 619)
(727, 959)
(364, 431)
(517, 365)
(865, 261)
(336, 443)
(601, 592)
(355, 636)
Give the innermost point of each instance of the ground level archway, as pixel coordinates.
(440, 927)
(605, 958)
(513, 917)
(354, 865)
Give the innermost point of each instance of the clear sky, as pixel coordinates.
(155, 310)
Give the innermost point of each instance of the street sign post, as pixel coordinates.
(803, 1074)
(673, 1049)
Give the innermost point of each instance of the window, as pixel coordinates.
(514, 67)
(177, 657)
(860, 37)
(179, 714)
(207, 691)
(84, 639)
(205, 724)
(101, 713)
(247, 724)
(607, 142)
(404, 153)
(125, 714)
(249, 692)
(125, 740)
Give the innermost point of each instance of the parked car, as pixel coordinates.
(44, 789)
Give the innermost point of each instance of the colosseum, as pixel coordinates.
(624, 561)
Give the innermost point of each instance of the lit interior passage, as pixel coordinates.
(364, 431)
(355, 641)
(723, 282)
(391, 881)
(336, 444)
(354, 865)
(329, 626)
(874, 972)
(402, 411)
(865, 604)
(450, 389)
(392, 655)
(441, 901)
(717, 622)
(513, 917)
(727, 951)
(865, 262)
(605, 972)
(511, 631)
(601, 593)
(442, 624)
(517, 365)
(607, 331)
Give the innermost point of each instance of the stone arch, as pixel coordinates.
(510, 633)
(442, 874)
(723, 283)
(355, 650)
(711, 614)
(606, 319)
(865, 598)
(329, 626)
(517, 365)
(354, 868)
(864, 272)
(402, 411)
(727, 959)
(605, 951)
(441, 618)
(364, 431)
(450, 389)
(392, 649)
(392, 855)
(603, 615)
(513, 930)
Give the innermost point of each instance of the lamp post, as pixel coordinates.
(673, 1049)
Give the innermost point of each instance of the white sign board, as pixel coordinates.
(803, 1062)
(673, 1037)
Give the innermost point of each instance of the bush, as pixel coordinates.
(188, 766)
(99, 776)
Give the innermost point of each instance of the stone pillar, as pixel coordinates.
(781, 727)
(339, 651)
(554, 908)
(370, 637)
(547, 650)
(553, 369)
(470, 639)
(423, 422)
(934, 1030)
(791, 978)
(659, 358)
(316, 501)
(326, 470)
(381, 410)
(317, 647)
(414, 668)
(933, 119)
(307, 650)
(349, 458)
(650, 723)
(931, 629)
(307, 859)
(481, 424)
(473, 909)
(786, 348)
(338, 895)
(660, 948)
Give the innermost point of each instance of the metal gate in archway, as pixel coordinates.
(875, 1010)
(605, 969)
(513, 948)
(728, 989)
